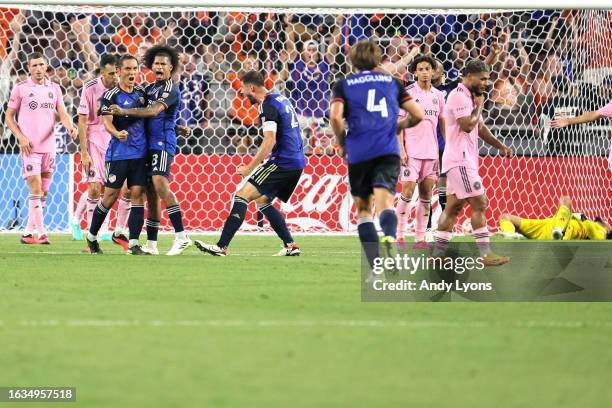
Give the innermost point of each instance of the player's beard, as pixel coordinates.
(252, 99)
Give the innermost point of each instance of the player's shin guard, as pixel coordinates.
(369, 238)
(123, 212)
(135, 222)
(152, 230)
(401, 211)
(35, 214)
(97, 219)
(176, 219)
(507, 226)
(81, 208)
(442, 196)
(277, 222)
(422, 216)
(91, 207)
(388, 222)
(442, 239)
(482, 240)
(233, 221)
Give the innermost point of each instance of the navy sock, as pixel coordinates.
(388, 222)
(369, 238)
(277, 222)
(233, 221)
(97, 219)
(176, 217)
(152, 229)
(442, 196)
(136, 220)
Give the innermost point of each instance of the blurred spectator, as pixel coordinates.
(6, 29)
(101, 29)
(397, 57)
(137, 28)
(194, 87)
(7, 66)
(64, 24)
(197, 30)
(309, 76)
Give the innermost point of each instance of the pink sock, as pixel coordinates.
(123, 212)
(482, 240)
(81, 207)
(422, 216)
(35, 216)
(401, 211)
(33, 202)
(91, 207)
(442, 240)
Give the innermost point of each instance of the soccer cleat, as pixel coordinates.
(210, 248)
(44, 239)
(77, 234)
(290, 250)
(492, 259)
(94, 246)
(107, 236)
(401, 243)
(122, 240)
(389, 246)
(136, 250)
(29, 239)
(178, 246)
(422, 246)
(151, 251)
(557, 234)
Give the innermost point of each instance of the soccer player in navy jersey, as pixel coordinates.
(160, 114)
(277, 177)
(126, 155)
(370, 101)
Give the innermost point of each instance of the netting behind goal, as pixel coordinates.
(548, 64)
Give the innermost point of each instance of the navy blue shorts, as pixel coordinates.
(132, 170)
(381, 171)
(160, 162)
(273, 181)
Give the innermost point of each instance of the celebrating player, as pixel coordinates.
(277, 177)
(563, 225)
(94, 141)
(370, 101)
(605, 112)
(163, 98)
(464, 125)
(126, 156)
(419, 151)
(35, 102)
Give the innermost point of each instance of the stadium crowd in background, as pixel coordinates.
(532, 57)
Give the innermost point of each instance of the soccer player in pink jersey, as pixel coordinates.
(464, 125)
(94, 142)
(419, 151)
(605, 112)
(31, 114)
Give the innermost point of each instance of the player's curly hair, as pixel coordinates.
(156, 50)
(423, 58)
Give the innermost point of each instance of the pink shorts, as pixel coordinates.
(97, 171)
(464, 182)
(37, 163)
(419, 169)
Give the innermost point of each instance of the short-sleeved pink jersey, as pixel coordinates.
(89, 105)
(421, 141)
(36, 107)
(461, 148)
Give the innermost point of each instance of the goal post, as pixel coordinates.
(551, 63)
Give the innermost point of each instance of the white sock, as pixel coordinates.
(181, 235)
(133, 242)
(91, 236)
(152, 244)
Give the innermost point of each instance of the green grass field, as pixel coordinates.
(251, 330)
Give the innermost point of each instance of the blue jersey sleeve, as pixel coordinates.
(338, 92)
(169, 96)
(108, 99)
(268, 114)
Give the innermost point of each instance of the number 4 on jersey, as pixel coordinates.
(381, 107)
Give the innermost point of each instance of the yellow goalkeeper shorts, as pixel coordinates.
(537, 229)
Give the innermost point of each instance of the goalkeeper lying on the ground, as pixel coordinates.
(563, 225)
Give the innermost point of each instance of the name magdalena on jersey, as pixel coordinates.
(369, 78)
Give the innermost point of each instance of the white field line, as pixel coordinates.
(190, 253)
(315, 324)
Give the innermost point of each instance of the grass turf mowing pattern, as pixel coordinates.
(254, 330)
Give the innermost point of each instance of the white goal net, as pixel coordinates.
(548, 63)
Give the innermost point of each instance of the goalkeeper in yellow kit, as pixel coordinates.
(563, 225)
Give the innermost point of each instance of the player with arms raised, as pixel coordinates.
(126, 156)
(277, 177)
(370, 102)
(160, 115)
(605, 112)
(419, 151)
(31, 115)
(464, 125)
